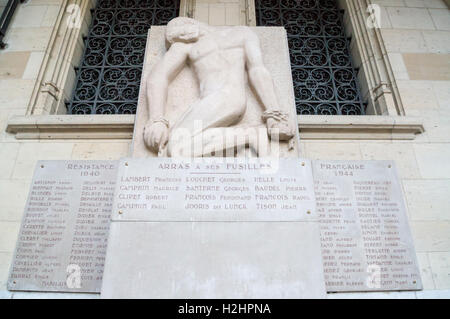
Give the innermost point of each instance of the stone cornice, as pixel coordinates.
(318, 127)
(312, 127)
(72, 126)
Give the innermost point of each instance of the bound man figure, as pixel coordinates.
(222, 59)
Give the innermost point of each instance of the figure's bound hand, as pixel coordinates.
(156, 135)
(281, 130)
(278, 125)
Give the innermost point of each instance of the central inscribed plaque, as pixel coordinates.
(214, 228)
(163, 189)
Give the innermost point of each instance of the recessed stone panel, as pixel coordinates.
(365, 237)
(213, 260)
(63, 238)
(214, 189)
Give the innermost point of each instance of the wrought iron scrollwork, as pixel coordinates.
(109, 75)
(325, 82)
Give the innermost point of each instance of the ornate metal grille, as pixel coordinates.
(109, 75)
(325, 81)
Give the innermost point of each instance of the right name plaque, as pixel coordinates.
(365, 237)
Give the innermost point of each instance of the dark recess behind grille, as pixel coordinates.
(109, 74)
(325, 81)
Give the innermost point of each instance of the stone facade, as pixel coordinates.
(416, 42)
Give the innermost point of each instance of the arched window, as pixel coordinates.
(325, 82)
(109, 74)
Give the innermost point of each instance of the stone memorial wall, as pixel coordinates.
(63, 238)
(365, 241)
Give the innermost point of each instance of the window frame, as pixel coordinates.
(45, 117)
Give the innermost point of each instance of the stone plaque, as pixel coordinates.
(365, 237)
(214, 189)
(63, 238)
(214, 228)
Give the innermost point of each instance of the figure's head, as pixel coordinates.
(182, 29)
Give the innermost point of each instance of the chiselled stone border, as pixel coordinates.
(72, 127)
(250, 12)
(187, 8)
(56, 76)
(369, 53)
(312, 127)
(343, 127)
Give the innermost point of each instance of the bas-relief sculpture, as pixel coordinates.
(231, 107)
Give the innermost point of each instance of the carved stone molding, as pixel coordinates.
(187, 8)
(368, 50)
(369, 127)
(56, 76)
(72, 127)
(312, 127)
(250, 12)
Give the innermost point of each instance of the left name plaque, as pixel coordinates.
(64, 232)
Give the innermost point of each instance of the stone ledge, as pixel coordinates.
(312, 127)
(71, 126)
(369, 127)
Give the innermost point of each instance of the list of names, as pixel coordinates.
(365, 238)
(63, 237)
(163, 189)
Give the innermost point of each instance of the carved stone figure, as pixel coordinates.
(223, 59)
